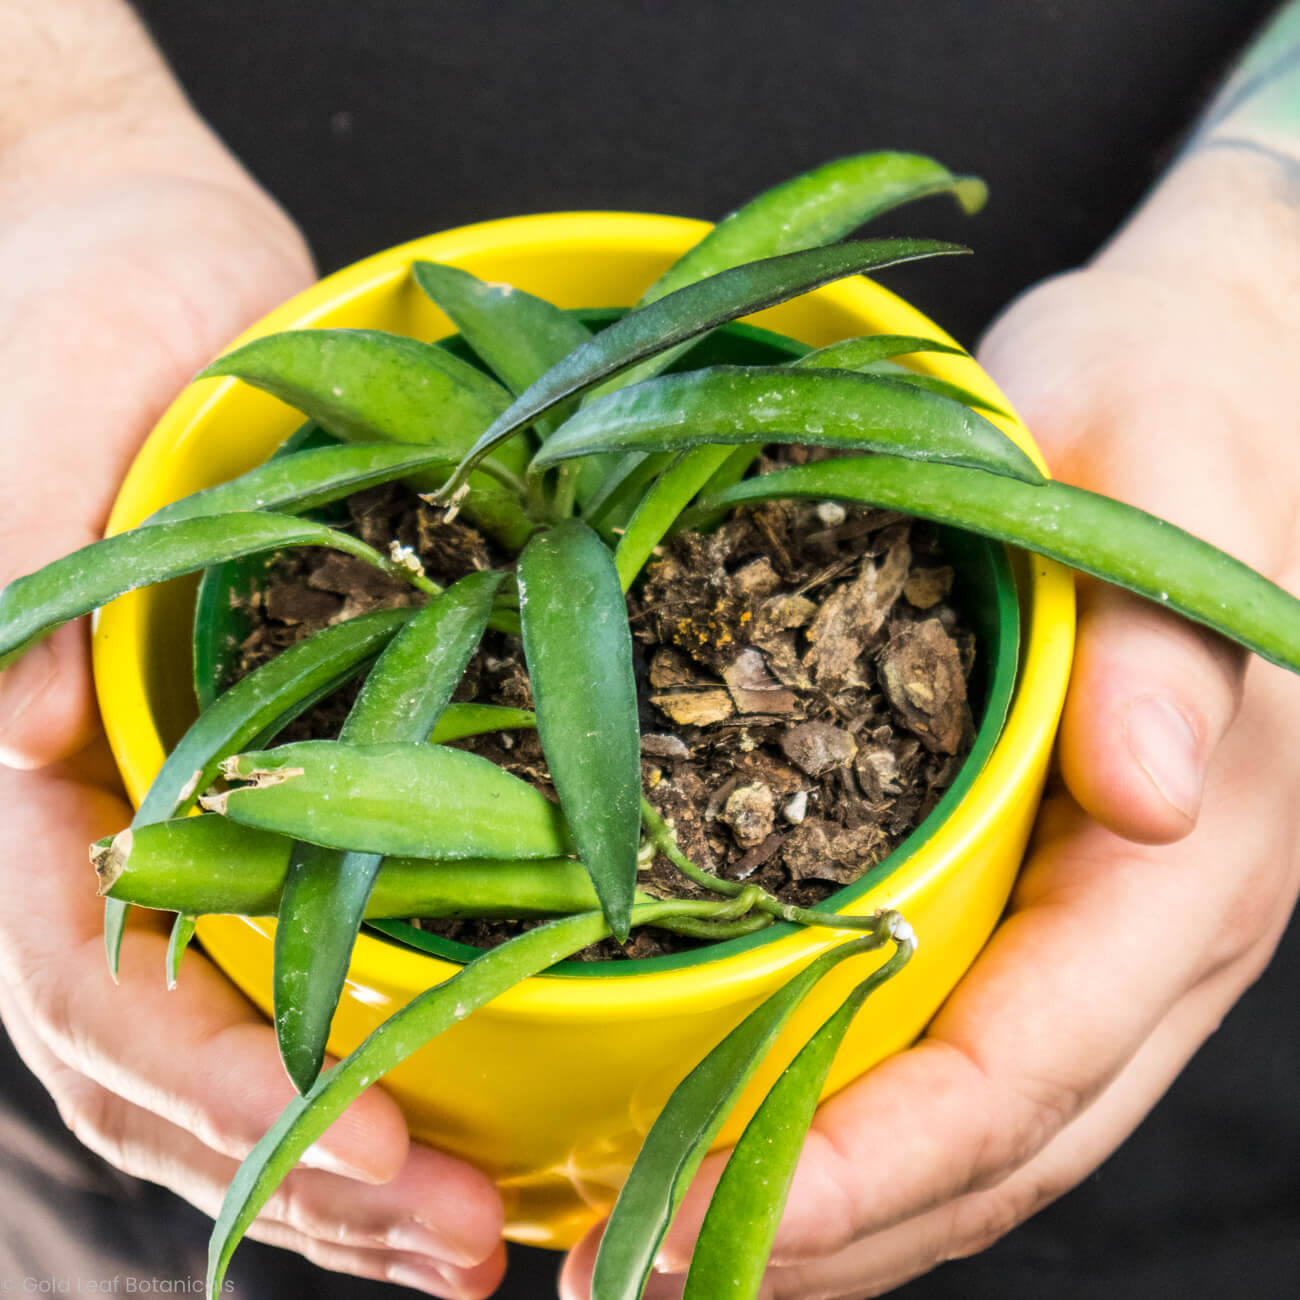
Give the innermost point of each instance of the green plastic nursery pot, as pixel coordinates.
(552, 1087)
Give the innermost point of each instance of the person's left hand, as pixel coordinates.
(1121, 950)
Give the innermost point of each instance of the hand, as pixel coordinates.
(125, 271)
(1164, 864)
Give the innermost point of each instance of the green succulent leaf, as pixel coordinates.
(178, 941)
(325, 891)
(299, 482)
(688, 313)
(686, 1127)
(307, 1117)
(736, 1238)
(416, 801)
(461, 720)
(941, 387)
(369, 386)
(662, 506)
(579, 653)
(257, 706)
(210, 865)
(853, 354)
(33, 606)
(1107, 539)
(819, 207)
(762, 404)
(519, 336)
(623, 481)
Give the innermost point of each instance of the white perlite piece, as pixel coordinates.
(831, 513)
(796, 808)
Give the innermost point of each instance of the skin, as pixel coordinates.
(1162, 872)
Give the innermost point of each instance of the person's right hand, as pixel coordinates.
(132, 249)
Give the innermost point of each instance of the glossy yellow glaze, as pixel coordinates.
(552, 1087)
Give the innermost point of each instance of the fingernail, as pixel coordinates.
(1164, 743)
(432, 1281)
(319, 1157)
(22, 684)
(414, 1238)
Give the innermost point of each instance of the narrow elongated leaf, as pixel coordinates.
(892, 370)
(818, 207)
(933, 384)
(461, 720)
(306, 479)
(852, 354)
(1109, 540)
(579, 654)
(407, 690)
(325, 891)
(306, 1118)
(211, 865)
(417, 801)
(760, 404)
(32, 606)
(261, 703)
(369, 386)
(662, 506)
(182, 933)
(519, 336)
(624, 480)
(685, 1129)
(736, 1238)
(688, 313)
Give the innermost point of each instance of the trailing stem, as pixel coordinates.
(661, 836)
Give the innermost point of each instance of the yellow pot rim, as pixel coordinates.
(1047, 643)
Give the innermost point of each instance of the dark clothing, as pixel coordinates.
(379, 120)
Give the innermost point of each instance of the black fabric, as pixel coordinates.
(378, 120)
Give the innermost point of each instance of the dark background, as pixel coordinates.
(380, 120)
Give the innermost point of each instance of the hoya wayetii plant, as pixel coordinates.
(577, 455)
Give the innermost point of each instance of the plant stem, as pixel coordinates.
(512, 482)
(661, 835)
(566, 485)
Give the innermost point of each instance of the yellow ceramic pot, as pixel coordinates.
(552, 1087)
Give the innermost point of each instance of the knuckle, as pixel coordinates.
(294, 1206)
(95, 1117)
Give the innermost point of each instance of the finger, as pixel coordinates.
(1151, 696)
(422, 1224)
(199, 1056)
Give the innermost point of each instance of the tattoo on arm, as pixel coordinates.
(1258, 109)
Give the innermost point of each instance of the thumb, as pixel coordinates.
(1150, 698)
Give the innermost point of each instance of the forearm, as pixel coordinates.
(1228, 210)
(84, 94)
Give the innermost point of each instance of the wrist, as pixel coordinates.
(1224, 224)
